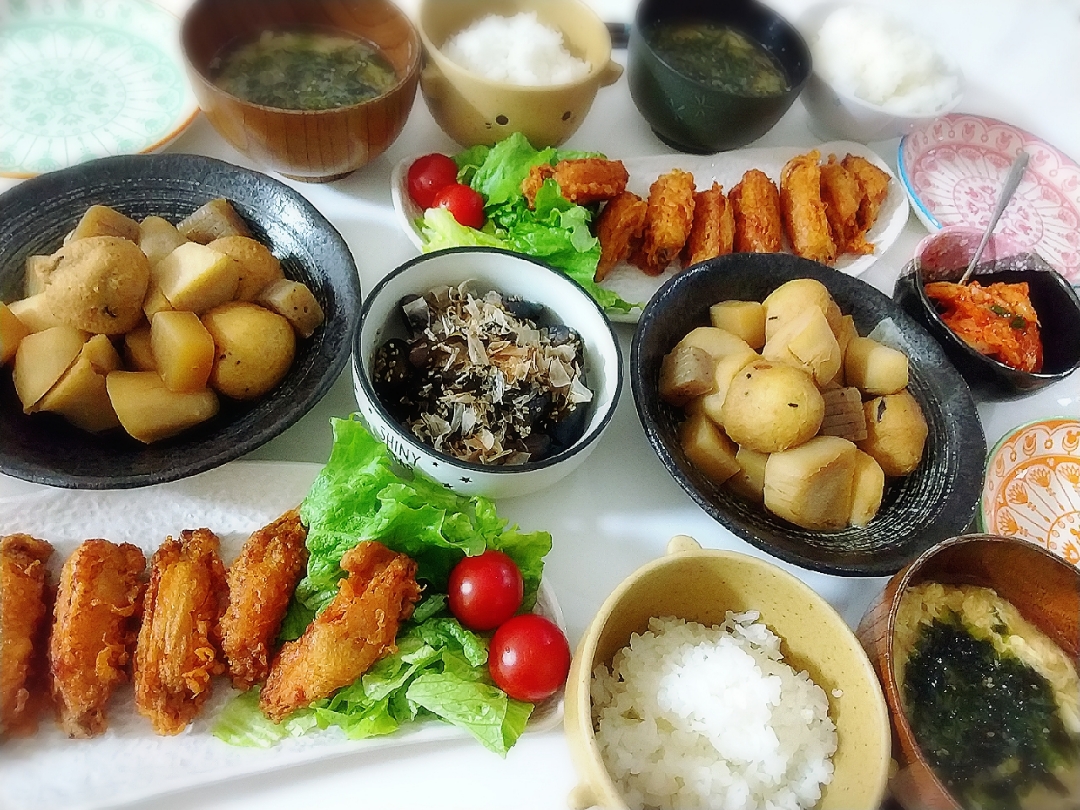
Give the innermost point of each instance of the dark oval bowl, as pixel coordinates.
(34, 217)
(1054, 300)
(936, 501)
(691, 116)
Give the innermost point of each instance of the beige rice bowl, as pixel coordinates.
(691, 717)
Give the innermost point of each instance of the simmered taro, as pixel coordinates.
(480, 380)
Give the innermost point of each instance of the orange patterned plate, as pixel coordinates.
(1032, 487)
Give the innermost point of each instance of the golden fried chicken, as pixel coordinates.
(756, 206)
(96, 616)
(581, 180)
(261, 582)
(802, 210)
(618, 228)
(176, 655)
(667, 222)
(23, 580)
(713, 231)
(355, 630)
(842, 195)
(875, 187)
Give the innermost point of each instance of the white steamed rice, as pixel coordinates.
(516, 50)
(711, 717)
(864, 52)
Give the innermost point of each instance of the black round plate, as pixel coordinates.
(35, 215)
(935, 502)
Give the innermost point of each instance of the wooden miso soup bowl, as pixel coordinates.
(1044, 589)
(310, 145)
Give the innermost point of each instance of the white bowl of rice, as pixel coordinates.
(712, 679)
(874, 78)
(495, 67)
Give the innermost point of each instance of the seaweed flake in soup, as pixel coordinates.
(718, 56)
(308, 69)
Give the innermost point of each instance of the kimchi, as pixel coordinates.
(998, 321)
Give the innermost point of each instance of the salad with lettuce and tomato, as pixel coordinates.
(488, 179)
(476, 571)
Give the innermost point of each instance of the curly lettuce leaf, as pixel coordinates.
(555, 231)
(359, 496)
(439, 668)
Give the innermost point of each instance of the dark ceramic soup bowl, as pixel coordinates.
(696, 117)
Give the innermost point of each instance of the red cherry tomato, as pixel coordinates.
(529, 657)
(485, 590)
(428, 175)
(464, 202)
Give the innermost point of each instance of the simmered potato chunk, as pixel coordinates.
(183, 350)
(150, 412)
(255, 348)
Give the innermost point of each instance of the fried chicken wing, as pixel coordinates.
(668, 221)
(96, 615)
(581, 180)
(355, 630)
(875, 186)
(176, 655)
(23, 580)
(618, 228)
(842, 195)
(713, 231)
(261, 582)
(803, 212)
(755, 203)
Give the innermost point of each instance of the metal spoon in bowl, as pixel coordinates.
(1012, 180)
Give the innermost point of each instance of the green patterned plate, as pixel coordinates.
(84, 79)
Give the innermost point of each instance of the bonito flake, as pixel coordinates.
(482, 382)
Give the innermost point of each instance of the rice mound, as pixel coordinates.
(516, 50)
(864, 52)
(711, 717)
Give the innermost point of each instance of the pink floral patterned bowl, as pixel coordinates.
(1032, 487)
(952, 169)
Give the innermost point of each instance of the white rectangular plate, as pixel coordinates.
(726, 168)
(130, 762)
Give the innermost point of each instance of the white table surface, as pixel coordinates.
(1021, 59)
